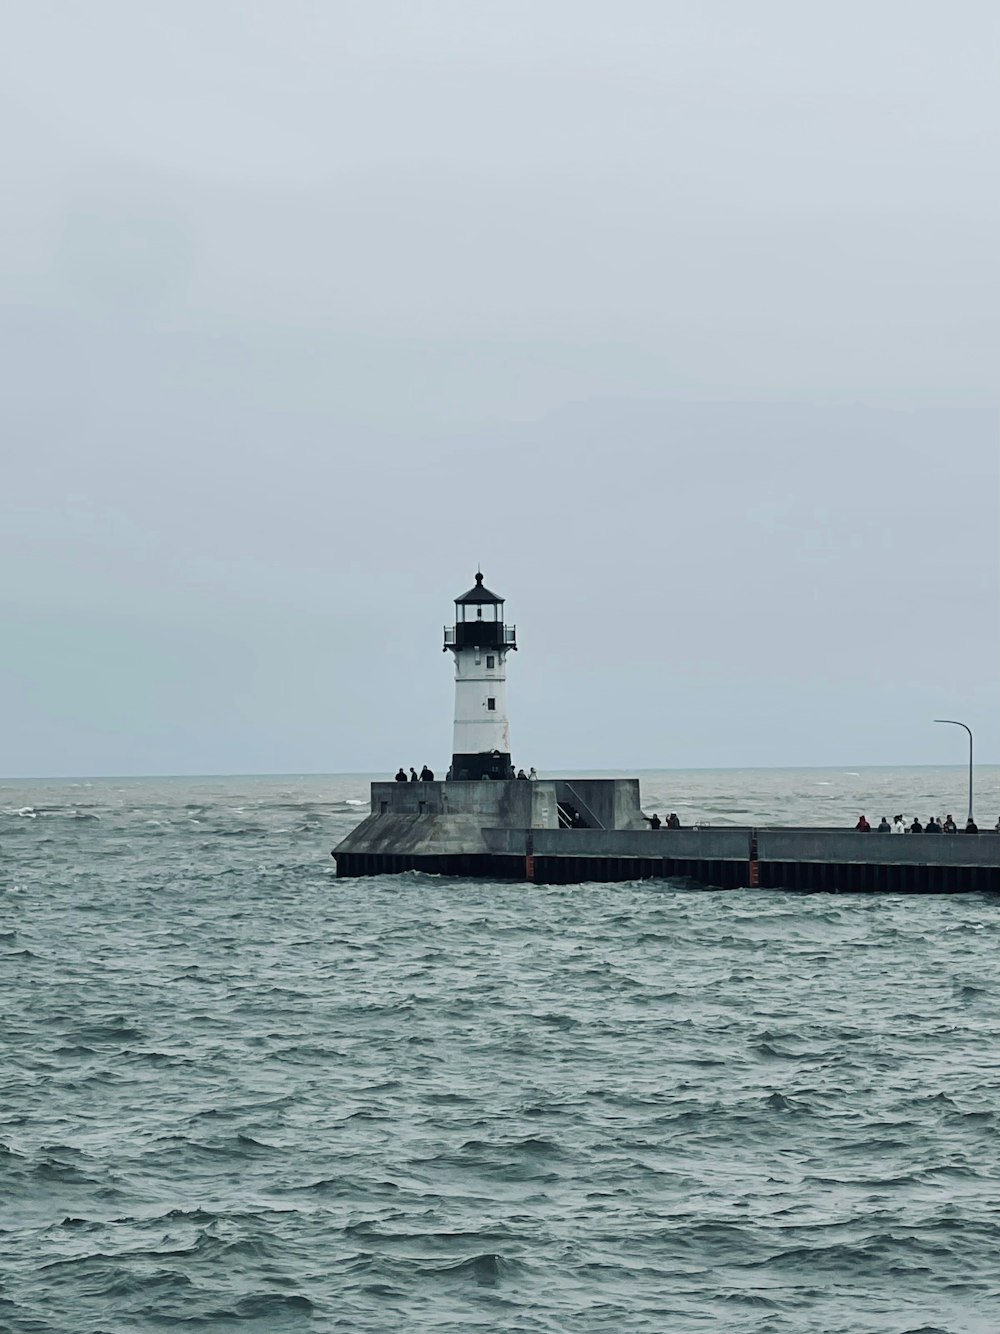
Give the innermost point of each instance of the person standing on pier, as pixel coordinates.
(971, 827)
(863, 827)
(884, 827)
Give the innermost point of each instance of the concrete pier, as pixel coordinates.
(568, 831)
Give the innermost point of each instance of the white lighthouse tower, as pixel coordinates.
(480, 641)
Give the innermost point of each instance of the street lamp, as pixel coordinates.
(955, 723)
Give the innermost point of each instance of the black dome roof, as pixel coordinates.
(478, 594)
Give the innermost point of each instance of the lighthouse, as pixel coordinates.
(480, 640)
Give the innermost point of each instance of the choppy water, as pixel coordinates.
(238, 1094)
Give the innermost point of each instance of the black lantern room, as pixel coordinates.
(479, 621)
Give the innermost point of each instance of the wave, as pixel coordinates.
(267, 1306)
(486, 1269)
(118, 1029)
(266, 1099)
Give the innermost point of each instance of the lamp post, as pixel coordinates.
(954, 722)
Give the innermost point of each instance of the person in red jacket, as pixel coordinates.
(863, 826)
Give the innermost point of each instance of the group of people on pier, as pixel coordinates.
(934, 825)
(426, 775)
(672, 821)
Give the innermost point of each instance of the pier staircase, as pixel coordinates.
(574, 813)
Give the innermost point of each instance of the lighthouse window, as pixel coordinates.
(491, 702)
(479, 612)
(490, 661)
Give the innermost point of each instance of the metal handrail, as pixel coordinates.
(571, 788)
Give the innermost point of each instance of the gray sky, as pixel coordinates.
(682, 319)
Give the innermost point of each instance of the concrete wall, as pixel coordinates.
(613, 802)
(446, 835)
(441, 819)
(685, 844)
(847, 845)
(509, 842)
(416, 836)
(514, 805)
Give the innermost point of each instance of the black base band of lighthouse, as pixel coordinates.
(480, 640)
(493, 764)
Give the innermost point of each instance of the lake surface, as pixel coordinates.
(240, 1094)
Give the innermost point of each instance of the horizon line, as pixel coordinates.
(374, 775)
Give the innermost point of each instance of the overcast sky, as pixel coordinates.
(679, 318)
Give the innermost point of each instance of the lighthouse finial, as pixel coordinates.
(479, 575)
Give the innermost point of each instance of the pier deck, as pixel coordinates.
(516, 831)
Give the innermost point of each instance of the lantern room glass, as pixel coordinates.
(479, 611)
